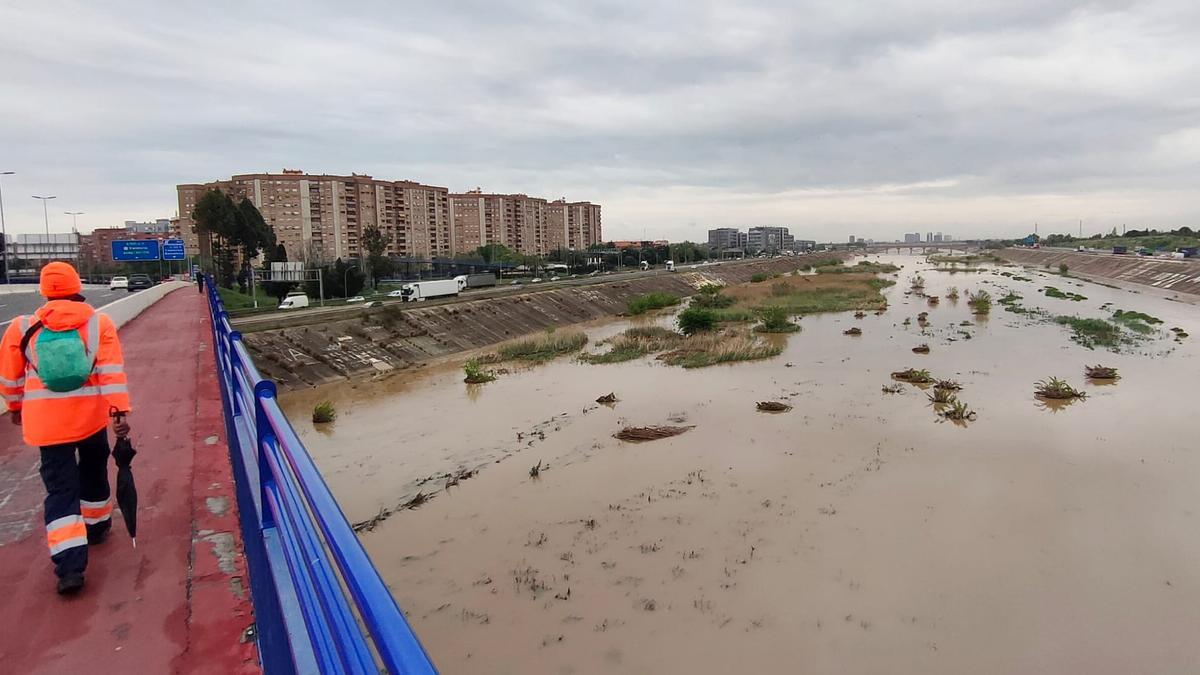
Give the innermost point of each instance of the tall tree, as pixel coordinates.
(216, 216)
(375, 243)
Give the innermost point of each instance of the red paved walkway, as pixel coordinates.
(180, 601)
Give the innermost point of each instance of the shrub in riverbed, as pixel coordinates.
(644, 303)
(635, 343)
(708, 349)
(476, 373)
(712, 301)
(957, 411)
(696, 319)
(759, 278)
(913, 375)
(324, 412)
(952, 293)
(980, 302)
(775, 320)
(1092, 332)
(545, 347)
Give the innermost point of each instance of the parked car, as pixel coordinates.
(118, 282)
(138, 282)
(356, 298)
(396, 294)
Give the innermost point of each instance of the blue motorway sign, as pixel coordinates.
(172, 249)
(124, 250)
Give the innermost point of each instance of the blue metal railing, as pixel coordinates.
(320, 605)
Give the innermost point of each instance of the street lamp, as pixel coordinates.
(46, 216)
(3, 229)
(74, 215)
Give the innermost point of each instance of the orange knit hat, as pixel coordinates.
(59, 280)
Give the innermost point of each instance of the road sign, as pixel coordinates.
(172, 249)
(125, 250)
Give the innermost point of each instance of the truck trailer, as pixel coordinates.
(466, 281)
(424, 290)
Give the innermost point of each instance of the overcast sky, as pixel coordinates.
(834, 118)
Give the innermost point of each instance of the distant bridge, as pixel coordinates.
(923, 247)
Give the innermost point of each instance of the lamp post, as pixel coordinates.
(3, 229)
(46, 216)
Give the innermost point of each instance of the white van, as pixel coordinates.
(294, 301)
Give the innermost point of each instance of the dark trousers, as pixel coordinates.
(69, 480)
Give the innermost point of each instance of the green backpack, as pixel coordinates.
(59, 358)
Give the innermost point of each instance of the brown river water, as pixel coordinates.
(857, 533)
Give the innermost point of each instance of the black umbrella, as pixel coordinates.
(123, 453)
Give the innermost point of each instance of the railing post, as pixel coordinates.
(233, 363)
(264, 436)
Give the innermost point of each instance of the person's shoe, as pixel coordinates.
(97, 537)
(70, 584)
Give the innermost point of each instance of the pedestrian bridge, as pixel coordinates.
(244, 562)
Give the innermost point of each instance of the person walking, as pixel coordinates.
(61, 375)
(200, 283)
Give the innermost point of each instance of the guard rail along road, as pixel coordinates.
(320, 605)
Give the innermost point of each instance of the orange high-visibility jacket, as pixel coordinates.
(50, 417)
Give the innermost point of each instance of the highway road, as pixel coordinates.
(24, 301)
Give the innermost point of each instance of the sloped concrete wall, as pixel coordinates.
(1180, 276)
(398, 336)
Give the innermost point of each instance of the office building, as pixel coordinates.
(804, 245)
(770, 239)
(160, 226)
(726, 239)
(851, 239)
(913, 238)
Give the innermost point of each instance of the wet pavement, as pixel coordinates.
(857, 533)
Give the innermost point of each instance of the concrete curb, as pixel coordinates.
(127, 309)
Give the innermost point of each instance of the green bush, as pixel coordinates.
(709, 289)
(696, 319)
(775, 320)
(759, 278)
(476, 374)
(644, 303)
(324, 412)
(544, 348)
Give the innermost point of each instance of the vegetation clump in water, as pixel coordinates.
(980, 302)
(948, 385)
(941, 395)
(544, 348)
(696, 320)
(476, 373)
(964, 259)
(641, 434)
(852, 331)
(1054, 388)
(1052, 292)
(863, 267)
(952, 293)
(1092, 332)
(1137, 322)
(324, 412)
(921, 349)
(957, 411)
(913, 376)
(644, 303)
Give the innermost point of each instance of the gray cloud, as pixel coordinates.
(834, 118)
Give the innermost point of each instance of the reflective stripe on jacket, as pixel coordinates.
(51, 417)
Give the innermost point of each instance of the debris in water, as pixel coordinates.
(1100, 372)
(893, 388)
(610, 397)
(949, 385)
(773, 406)
(933, 299)
(640, 434)
(536, 470)
(921, 349)
(860, 314)
(852, 331)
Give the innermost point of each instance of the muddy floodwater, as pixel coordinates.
(858, 532)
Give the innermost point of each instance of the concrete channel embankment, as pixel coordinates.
(1177, 276)
(396, 336)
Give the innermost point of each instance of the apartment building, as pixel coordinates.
(527, 224)
(321, 217)
(727, 239)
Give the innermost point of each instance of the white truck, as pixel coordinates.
(424, 290)
(294, 301)
(670, 265)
